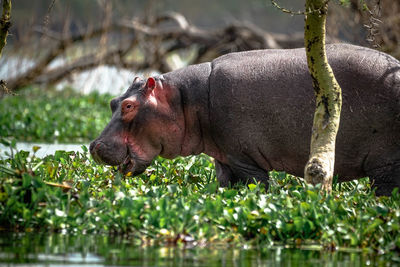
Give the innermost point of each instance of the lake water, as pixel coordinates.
(45, 149)
(35, 249)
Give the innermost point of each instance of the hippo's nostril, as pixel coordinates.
(97, 146)
(94, 147)
(91, 146)
(111, 153)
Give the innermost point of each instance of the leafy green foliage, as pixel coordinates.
(51, 115)
(179, 201)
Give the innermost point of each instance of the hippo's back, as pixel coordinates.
(262, 104)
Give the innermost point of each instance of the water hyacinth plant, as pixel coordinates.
(37, 115)
(179, 202)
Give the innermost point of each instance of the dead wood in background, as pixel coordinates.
(5, 23)
(382, 21)
(164, 35)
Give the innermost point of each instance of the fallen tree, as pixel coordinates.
(166, 34)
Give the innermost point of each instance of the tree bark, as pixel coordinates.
(5, 23)
(320, 167)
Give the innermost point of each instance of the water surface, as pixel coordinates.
(45, 149)
(35, 249)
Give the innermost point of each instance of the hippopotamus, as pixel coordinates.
(253, 112)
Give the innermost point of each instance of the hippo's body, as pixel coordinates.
(253, 112)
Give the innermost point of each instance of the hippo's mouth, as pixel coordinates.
(124, 157)
(128, 165)
(132, 164)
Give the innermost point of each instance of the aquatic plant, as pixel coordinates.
(179, 201)
(37, 115)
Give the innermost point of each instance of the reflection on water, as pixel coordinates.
(96, 250)
(45, 149)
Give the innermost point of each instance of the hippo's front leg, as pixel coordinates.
(233, 173)
(224, 174)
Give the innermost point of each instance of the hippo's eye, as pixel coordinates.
(129, 109)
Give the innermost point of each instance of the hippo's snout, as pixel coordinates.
(94, 146)
(117, 154)
(106, 153)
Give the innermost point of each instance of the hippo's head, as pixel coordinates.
(147, 121)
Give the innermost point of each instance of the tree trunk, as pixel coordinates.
(319, 168)
(5, 23)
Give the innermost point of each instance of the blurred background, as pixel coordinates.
(102, 44)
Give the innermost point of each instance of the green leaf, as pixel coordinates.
(298, 223)
(26, 180)
(252, 187)
(312, 195)
(212, 187)
(123, 212)
(230, 193)
(397, 242)
(375, 223)
(35, 148)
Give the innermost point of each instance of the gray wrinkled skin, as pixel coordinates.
(253, 111)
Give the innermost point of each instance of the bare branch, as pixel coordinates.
(303, 13)
(178, 18)
(5, 23)
(156, 40)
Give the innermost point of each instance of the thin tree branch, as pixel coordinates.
(5, 24)
(159, 41)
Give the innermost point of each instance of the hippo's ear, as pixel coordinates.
(151, 83)
(154, 92)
